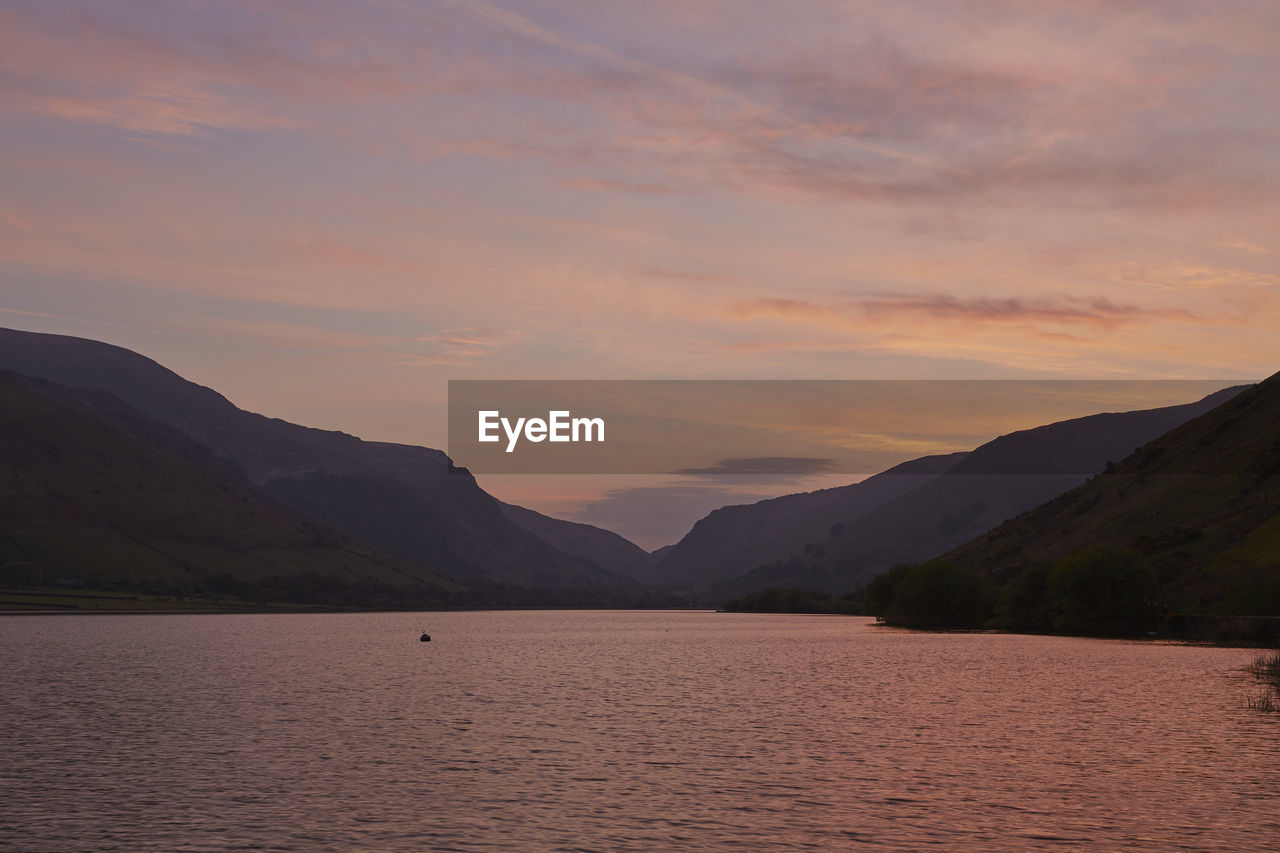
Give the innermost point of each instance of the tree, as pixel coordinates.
(878, 597)
(1024, 601)
(1103, 590)
(939, 594)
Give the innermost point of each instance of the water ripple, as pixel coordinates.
(618, 731)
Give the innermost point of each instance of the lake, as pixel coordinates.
(568, 730)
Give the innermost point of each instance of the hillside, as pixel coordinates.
(733, 539)
(1198, 506)
(93, 492)
(997, 481)
(603, 547)
(838, 541)
(403, 499)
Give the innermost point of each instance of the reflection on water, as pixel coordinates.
(618, 731)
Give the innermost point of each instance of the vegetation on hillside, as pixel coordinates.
(937, 595)
(1100, 591)
(1180, 538)
(795, 600)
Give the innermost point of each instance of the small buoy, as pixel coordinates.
(426, 638)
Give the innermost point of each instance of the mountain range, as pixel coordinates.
(403, 500)
(120, 467)
(1199, 505)
(838, 539)
(93, 491)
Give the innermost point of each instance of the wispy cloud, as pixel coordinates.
(746, 108)
(1095, 311)
(1244, 245)
(85, 66)
(459, 346)
(169, 109)
(615, 186)
(678, 275)
(1189, 277)
(329, 250)
(879, 119)
(1089, 311)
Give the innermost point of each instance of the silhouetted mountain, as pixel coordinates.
(1199, 505)
(604, 547)
(660, 554)
(94, 491)
(733, 539)
(403, 499)
(995, 482)
(929, 515)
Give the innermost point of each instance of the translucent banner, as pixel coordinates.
(773, 427)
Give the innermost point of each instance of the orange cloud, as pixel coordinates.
(1243, 245)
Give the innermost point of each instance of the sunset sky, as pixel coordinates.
(325, 210)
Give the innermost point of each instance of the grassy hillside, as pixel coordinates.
(88, 501)
(1187, 524)
(1201, 504)
(837, 540)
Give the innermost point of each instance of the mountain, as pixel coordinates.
(657, 555)
(733, 539)
(963, 496)
(406, 500)
(1199, 506)
(94, 492)
(604, 547)
(997, 481)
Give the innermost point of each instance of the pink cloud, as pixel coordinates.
(605, 185)
(329, 250)
(87, 68)
(462, 345)
(678, 275)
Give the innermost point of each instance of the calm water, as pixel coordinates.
(618, 731)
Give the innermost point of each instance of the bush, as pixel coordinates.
(939, 594)
(1104, 590)
(878, 595)
(794, 600)
(1024, 602)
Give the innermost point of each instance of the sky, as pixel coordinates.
(326, 210)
